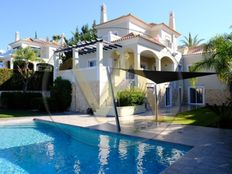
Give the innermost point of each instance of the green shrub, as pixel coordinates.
(12, 80)
(19, 100)
(61, 95)
(130, 97)
(5, 74)
(224, 113)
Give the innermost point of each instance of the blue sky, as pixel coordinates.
(47, 17)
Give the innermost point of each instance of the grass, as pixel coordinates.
(19, 113)
(200, 117)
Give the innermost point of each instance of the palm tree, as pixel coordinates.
(191, 41)
(24, 56)
(218, 57)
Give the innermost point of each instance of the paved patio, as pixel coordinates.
(212, 151)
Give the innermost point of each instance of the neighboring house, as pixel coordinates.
(208, 89)
(44, 49)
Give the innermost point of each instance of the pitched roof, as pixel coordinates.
(39, 41)
(121, 17)
(195, 50)
(140, 20)
(133, 35)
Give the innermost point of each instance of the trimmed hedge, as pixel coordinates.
(60, 100)
(19, 100)
(61, 95)
(130, 97)
(12, 80)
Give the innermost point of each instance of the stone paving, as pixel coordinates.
(212, 147)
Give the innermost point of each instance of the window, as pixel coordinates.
(168, 97)
(37, 51)
(180, 95)
(180, 68)
(1, 64)
(168, 43)
(196, 95)
(92, 63)
(115, 33)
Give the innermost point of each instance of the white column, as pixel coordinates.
(101, 72)
(56, 65)
(137, 61)
(99, 53)
(175, 65)
(158, 64)
(75, 58)
(122, 59)
(35, 66)
(137, 67)
(11, 63)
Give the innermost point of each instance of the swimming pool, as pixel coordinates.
(42, 147)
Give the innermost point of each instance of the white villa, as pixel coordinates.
(43, 48)
(130, 43)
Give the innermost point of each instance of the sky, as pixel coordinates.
(206, 18)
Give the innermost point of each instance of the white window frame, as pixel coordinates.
(203, 96)
(170, 96)
(90, 60)
(180, 96)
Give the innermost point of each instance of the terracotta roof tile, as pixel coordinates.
(133, 35)
(38, 41)
(196, 50)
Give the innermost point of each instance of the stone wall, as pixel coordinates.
(85, 97)
(216, 96)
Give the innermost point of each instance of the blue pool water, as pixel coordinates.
(45, 148)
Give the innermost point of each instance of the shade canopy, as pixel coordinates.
(166, 76)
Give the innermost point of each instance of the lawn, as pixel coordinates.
(200, 117)
(19, 113)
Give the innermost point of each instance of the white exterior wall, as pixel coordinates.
(210, 82)
(136, 29)
(121, 28)
(215, 92)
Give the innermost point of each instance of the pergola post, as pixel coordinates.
(35, 66)
(101, 74)
(56, 65)
(75, 62)
(11, 63)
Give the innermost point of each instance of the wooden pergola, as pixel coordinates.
(86, 47)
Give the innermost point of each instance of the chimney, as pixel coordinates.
(103, 13)
(172, 23)
(17, 37)
(62, 40)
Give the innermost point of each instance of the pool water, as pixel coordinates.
(48, 148)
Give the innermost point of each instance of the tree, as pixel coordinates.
(23, 57)
(218, 57)
(56, 37)
(191, 41)
(86, 34)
